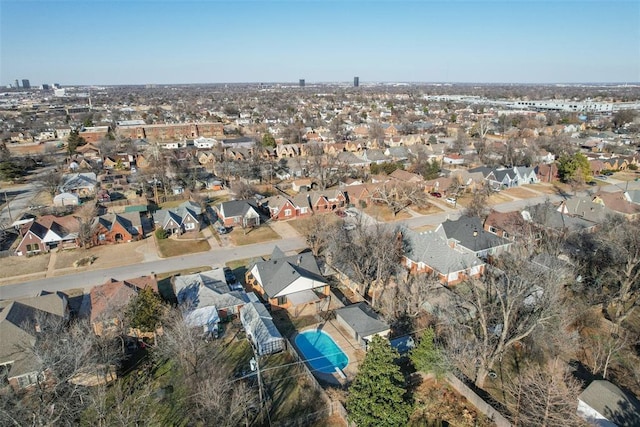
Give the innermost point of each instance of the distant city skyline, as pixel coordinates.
(171, 42)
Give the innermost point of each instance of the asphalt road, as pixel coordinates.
(217, 257)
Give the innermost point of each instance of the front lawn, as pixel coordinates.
(173, 247)
(384, 213)
(19, 265)
(261, 234)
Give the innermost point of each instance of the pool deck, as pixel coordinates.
(348, 345)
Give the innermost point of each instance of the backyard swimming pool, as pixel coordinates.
(321, 351)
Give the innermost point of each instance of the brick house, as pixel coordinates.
(48, 232)
(117, 228)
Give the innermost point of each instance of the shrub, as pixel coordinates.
(161, 234)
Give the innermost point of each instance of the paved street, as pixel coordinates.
(218, 256)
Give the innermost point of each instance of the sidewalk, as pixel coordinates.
(51, 268)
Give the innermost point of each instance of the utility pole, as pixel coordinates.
(6, 200)
(256, 362)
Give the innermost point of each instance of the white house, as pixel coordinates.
(603, 404)
(66, 199)
(203, 142)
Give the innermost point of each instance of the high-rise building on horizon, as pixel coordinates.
(301, 82)
(26, 84)
(356, 81)
(16, 84)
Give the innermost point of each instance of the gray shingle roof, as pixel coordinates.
(470, 234)
(276, 274)
(611, 402)
(431, 249)
(362, 319)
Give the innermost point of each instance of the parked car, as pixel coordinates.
(222, 230)
(592, 183)
(451, 200)
(229, 276)
(349, 226)
(436, 194)
(340, 213)
(607, 173)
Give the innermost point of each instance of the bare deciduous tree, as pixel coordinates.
(543, 396)
(509, 305)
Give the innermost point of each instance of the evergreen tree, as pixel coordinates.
(377, 395)
(426, 356)
(145, 310)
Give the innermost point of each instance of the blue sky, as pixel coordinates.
(137, 42)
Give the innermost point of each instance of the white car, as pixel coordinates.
(351, 212)
(451, 200)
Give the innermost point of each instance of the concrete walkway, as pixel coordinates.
(51, 268)
(284, 229)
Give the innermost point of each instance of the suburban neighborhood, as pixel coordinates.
(257, 255)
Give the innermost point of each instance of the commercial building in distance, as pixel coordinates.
(170, 132)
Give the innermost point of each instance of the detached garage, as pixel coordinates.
(361, 322)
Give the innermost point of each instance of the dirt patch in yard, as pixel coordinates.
(20, 265)
(254, 235)
(105, 256)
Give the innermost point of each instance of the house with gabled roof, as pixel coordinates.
(20, 327)
(467, 234)
(206, 298)
(280, 207)
(430, 252)
(244, 213)
(184, 218)
(407, 177)
(604, 404)
(288, 281)
(117, 228)
(48, 232)
(83, 184)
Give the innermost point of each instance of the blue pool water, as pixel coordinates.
(321, 351)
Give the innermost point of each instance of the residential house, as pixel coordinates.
(280, 207)
(244, 213)
(556, 220)
(206, 299)
(184, 218)
(89, 151)
(20, 326)
(301, 184)
(618, 202)
(603, 404)
(48, 232)
(467, 233)
(109, 300)
(547, 172)
(83, 184)
(407, 177)
(117, 228)
(362, 323)
(453, 159)
(430, 252)
(588, 208)
(509, 225)
(357, 195)
(288, 281)
(525, 175)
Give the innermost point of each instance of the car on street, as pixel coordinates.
(592, 183)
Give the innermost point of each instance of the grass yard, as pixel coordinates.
(261, 234)
(520, 193)
(172, 247)
(171, 204)
(428, 209)
(384, 213)
(105, 256)
(541, 187)
(497, 198)
(19, 265)
(291, 391)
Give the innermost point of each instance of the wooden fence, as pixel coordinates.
(477, 401)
